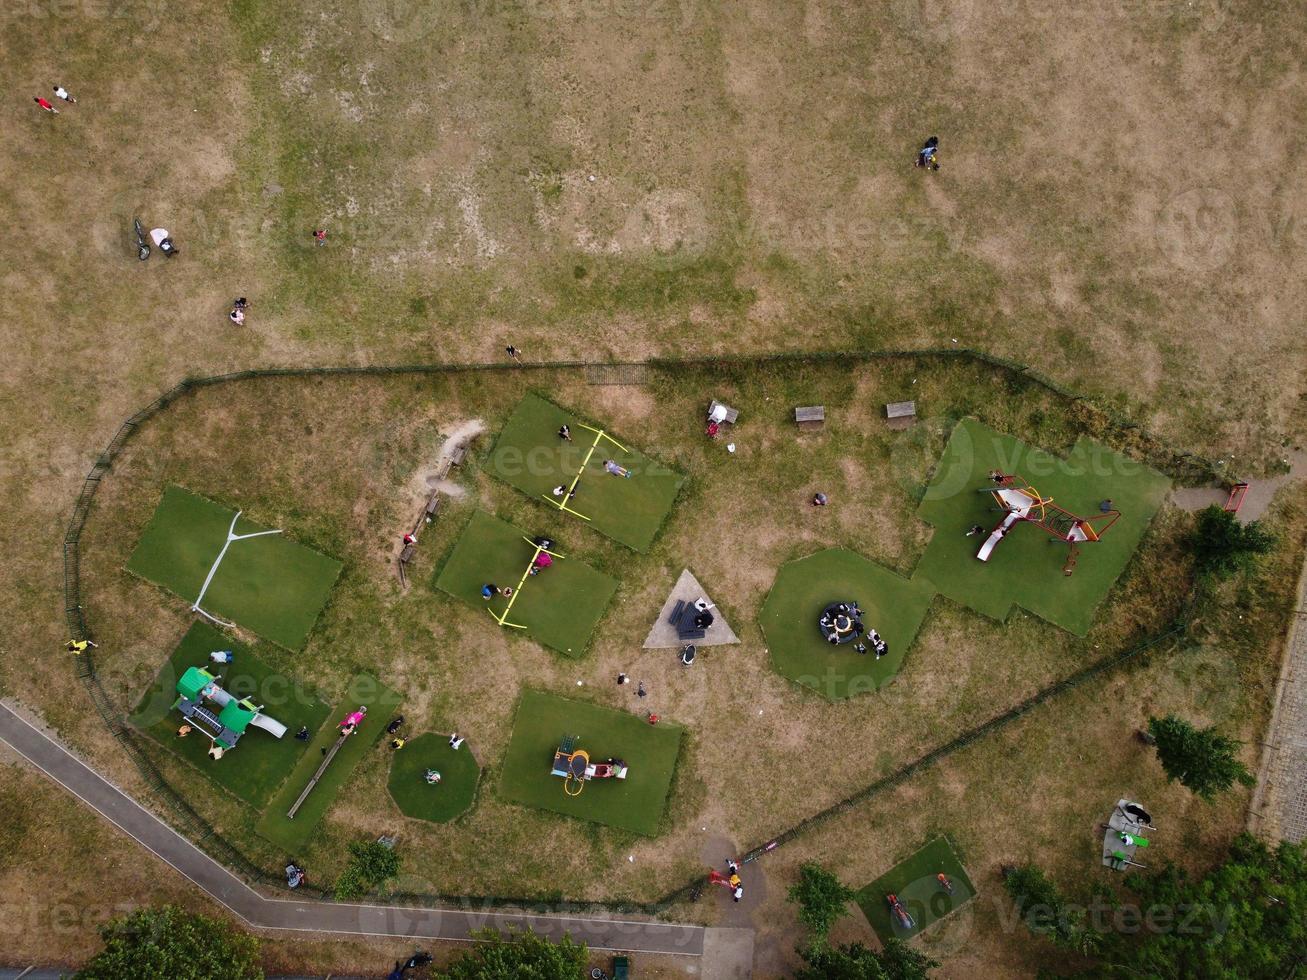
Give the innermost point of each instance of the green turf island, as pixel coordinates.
(891, 605)
(918, 889)
(558, 608)
(635, 803)
(268, 584)
(259, 762)
(381, 703)
(1026, 567)
(530, 455)
(440, 802)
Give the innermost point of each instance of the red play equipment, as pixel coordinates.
(1235, 500)
(895, 906)
(1019, 501)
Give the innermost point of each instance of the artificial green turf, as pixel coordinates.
(916, 886)
(635, 803)
(559, 607)
(1026, 567)
(270, 585)
(891, 605)
(530, 456)
(449, 798)
(259, 762)
(381, 703)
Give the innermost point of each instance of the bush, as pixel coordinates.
(171, 942)
(822, 899)
(371, 863)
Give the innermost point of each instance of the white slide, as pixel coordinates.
(992, 541)
(223, 698)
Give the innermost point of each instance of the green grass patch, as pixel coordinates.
(559, 608)
(892, 605)
(530, 456)
(292, 834)
(258, 764)
(1026, 567)
(444, 801)
(917, 888)
(635, 803)
(269, 584)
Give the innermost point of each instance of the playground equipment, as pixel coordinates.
(541, 546)
(561, 501)
(225, 727)
(895, 906)
(841, 622)
(575, 767)
(1235, 500)
(1019, 501)
(347, 728)
(1122, 837)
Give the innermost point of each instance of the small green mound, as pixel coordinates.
(892, 605)
(439, 802)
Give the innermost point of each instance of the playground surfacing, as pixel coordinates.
(440, 802)
(635, 803)
(1026, 567)
(381, 703)
(558, 608)
(269, 584)
(531, 456)
(254, 769)
(891, 605)
(920, 892)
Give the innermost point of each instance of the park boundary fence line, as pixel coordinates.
(198, 829)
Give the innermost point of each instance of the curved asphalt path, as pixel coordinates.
(260, 912)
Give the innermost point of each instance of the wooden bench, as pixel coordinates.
(457, 456)
(407, 554)
(731, 414)
(810, 416)
(433, 505)
(901, 410)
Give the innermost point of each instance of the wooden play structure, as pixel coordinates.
(1020, 502)
(429, 511)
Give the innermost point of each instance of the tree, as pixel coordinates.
(517, 954)
(1223, 546)
(822, 900)
(898, 961)
(171, 942)
(1200, 758)
(1046, 911)
(1246, 918)
(371, 863)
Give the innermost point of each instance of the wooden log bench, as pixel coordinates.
(810, 416)
(433, 505)
(407, 554)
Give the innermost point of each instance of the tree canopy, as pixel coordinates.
(1200, 758)
(521, 955)
(171, 942)
(1223, 546)
(898, 961)
(822, 899)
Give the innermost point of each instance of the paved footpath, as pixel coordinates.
(261, 912)
(1282, 811)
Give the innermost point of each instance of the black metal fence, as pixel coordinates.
(1187, 466)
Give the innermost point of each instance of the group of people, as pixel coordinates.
(398, 741)
(60, 93)
(841, 622)
(730, 880)
(878, 645)
(238, 308)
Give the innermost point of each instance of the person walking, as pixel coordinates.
(639, 690)
(62, 93)
(514, 353)
(45, 104)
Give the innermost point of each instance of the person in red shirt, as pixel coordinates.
(45, 105)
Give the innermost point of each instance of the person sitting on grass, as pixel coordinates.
(562, 491)
(432, 777)
(820, 500)
(928, 155)
(393, 727)
(490, 590)
(565, 433)
(611, 467)
(456, 741)
(398, 742)
(303, 734)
